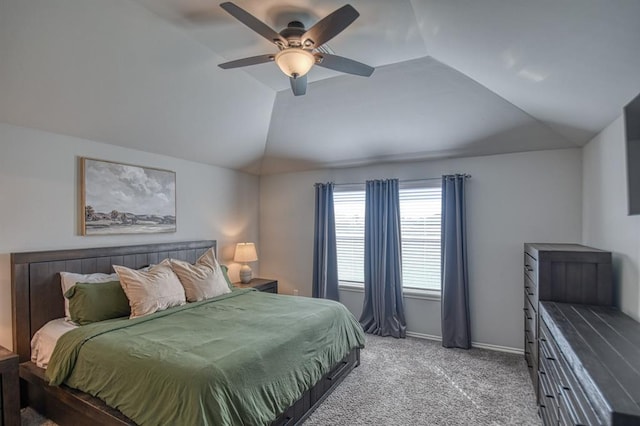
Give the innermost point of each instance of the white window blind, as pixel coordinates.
(420, 211)
(349, 212)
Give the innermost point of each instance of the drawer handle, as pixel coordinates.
(528, 290)
(288, 421)
(546, 352)
(338, 371)
(528, 268)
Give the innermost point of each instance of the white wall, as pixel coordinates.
(39, 201)
(605, 222)
(512, 199)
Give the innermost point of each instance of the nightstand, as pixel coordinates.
(9, 389)
(260, 284)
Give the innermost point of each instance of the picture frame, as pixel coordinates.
(120, 198)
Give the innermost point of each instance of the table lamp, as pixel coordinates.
(245, 252)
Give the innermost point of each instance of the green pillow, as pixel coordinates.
(93, 302)
(225, 272)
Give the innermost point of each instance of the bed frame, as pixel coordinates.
(37, 299)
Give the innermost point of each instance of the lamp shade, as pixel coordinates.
(295, 61)
(245, 252)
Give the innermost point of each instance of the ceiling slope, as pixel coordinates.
(415, 109)
(572, 64)
(112, 71)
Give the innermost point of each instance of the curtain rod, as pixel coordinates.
(466, 176)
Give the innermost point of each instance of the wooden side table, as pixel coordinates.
(9, 389)
(260, 284)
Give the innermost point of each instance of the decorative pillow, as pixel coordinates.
(151, 291)
(225, 272)
(93, 302)
(203, 280)
(69, 279)
(208, 258)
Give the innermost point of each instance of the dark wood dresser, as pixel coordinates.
(569, 273)
(589, 372)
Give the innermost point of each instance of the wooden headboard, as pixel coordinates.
(35, 280)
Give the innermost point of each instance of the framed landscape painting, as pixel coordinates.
(124, 199)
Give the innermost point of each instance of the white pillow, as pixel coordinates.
(69, 279)
(203, 280)
(150, 291)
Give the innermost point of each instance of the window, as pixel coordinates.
(420, 215)
(349, 211)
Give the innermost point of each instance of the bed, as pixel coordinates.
(37, 299)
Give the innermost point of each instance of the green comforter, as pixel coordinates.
(241, 358)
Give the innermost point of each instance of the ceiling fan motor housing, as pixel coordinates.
(293, 33)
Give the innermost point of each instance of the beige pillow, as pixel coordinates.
(203, 280)
(209, 259)
(151, 291)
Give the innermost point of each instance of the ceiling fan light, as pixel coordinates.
(295, 61)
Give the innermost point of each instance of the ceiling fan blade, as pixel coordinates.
(299, 85)
(330, 26)
(342, 64)
(252, 22)
(253, 60)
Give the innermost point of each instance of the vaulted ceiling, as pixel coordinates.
(453, 78)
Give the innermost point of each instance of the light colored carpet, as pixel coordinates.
(418, 382)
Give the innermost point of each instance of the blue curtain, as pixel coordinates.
(325, 259)
(383, 311)
(456, 329)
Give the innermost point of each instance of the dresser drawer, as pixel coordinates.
(546, 417)
(530, 267)
(531, 347)
(548, 411)
(529, 341)
(269, 288)
(527, 358)
(551, 349)
(260, 284)
(546, 388)
(547, 398)
(579, 409)
(531, 290)
(550, 368)
(547, 348)
(530, 318)
(532, 363)
(564, 416)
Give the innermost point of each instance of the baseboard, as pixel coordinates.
(479, 345)
(424, 336)
(498, 348)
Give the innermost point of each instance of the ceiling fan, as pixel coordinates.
(298, 47)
